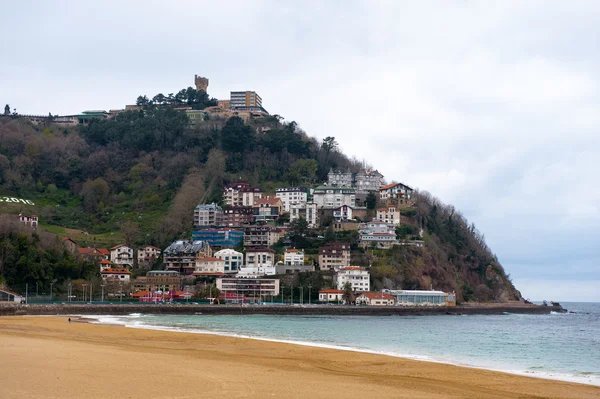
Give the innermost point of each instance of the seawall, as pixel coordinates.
(7, 309)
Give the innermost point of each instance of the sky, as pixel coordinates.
(493, 107)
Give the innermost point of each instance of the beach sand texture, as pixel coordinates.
(46, 357)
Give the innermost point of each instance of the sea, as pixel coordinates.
(561, 346)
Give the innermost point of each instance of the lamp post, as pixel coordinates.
(309, 292)
(102, 297)
(91, 292)
(51, 291)
(84, 291)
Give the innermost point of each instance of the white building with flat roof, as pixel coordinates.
(293, 257)
(291, 196)
(233, 259)
(358, 277)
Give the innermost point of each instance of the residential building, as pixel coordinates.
(116, 274)
(308, 212)
(181, 255)
(29, 220)
(343, 213)
(105, 264)
(244, 99)
(241, 194)
(389, 215)
(206, 215)
(291, 196)
(237, 216)
(158, 281)
(289, 269)
(256, 236)
(293, 257)
(94, 254)
(375, 299)
(219, 238)
(334, 256)
(10, 296)
(256, 271)
(422, 298)
(331, 296)
(345, 225)
(358, 277)
(377, 234)
(208, 266)
(240, 288)
(196, 116)
(266, 209)
(147, 254)
(233, 259)
(334, 197)
(395, 190)
(368, 180)
(256, 257)
(339, 178)
(122, 256)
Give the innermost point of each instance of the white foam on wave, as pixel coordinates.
(129, 322)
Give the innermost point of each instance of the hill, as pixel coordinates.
(137, 178)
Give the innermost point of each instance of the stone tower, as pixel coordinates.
(201, 83)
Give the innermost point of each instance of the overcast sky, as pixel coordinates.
(491, 106)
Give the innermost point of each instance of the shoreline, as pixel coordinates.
(71, 360)
(129, 308)
(551, 376)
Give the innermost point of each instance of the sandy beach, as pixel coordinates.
(46, 357)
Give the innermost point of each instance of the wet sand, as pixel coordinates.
(46, 357)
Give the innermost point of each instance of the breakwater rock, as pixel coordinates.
(187, 309)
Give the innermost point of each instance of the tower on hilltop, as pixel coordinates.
(201, 83)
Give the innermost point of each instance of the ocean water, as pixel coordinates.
(556, 346)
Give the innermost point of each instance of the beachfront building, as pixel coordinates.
(330, 197)
(233, 259)
(334, 256)
(358, 277)
(158, 281)
(291, 196)
(181, 255)
(9, 296)
(293, 257)
(122, 256)
(116, 274)
(422, 298)
(240, 289)
(147, 254)
(331, 295)
(209, 266)
(375, 299)
(206, 215)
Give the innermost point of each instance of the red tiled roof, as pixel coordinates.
(352, 268)
(118, 246)
(103, 251)
(273, 201)
(105, 262)
(291, 250)
(388, 186)
(377, 295)
(115, 271)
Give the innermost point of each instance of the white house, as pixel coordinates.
(291, 196)
(389, 215)
(122, 256)
(293, 257)
(257, 257)
(116, 274)
(356, 276)
(147, 254)
(209, 265)
(333, 197)
(233, 259)
(256, 271)
(29, 220)
(308, 211)
(375, 299)
(331, 295)
(343, 213)
(395, 190)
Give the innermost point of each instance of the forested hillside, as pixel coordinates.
(137, 178)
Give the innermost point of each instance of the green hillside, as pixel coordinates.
(137, 178)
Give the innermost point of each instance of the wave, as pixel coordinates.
(583, 377)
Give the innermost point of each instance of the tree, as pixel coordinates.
(7, 109)
(329, 145)
(130, 231)
(347, 295)
(142, 101)
(371, 200)
(236, 136)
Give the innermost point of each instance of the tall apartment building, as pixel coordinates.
(208, 215)
(158, 281)
(237, 216)
(261, 236)
(356, 276)
(339, 178)
(334, 256)
(291, 196)
(181, 255)
(242, 99)
(241, 194)
(308, 212)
